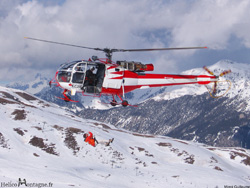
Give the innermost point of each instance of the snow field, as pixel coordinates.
(45, 144)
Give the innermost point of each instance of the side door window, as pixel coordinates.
(79, 73)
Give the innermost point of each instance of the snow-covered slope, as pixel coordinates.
(41, 143)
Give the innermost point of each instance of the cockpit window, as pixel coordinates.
(64, 76)
(79, 71)
(80, 67)
(78, 77)
(68, 66)
(82, 74)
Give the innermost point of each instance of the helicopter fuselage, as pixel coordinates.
(119, 78)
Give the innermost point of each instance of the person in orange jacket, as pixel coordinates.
(92, 140)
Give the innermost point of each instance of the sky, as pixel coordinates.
(221, 25)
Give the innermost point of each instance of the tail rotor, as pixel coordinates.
(210, 72)
(214, 90)
(225, 72)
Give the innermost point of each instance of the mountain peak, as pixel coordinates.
(34, 86)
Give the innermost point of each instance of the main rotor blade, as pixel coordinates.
(110, 51)
(64, 44)
(156, 49)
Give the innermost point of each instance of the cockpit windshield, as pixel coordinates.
(72, 71)
(86, 75)
(63, 76)
(67, 66)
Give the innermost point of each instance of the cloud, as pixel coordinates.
(213, 23)
(116, 24)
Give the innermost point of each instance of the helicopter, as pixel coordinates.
(102, 76)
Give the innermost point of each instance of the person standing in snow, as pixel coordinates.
(92, 140)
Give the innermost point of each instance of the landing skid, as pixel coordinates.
(115, 103)
(66, 97)
(124, 103)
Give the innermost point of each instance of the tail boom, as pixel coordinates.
(158, 80)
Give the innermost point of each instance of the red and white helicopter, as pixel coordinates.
(99, 76)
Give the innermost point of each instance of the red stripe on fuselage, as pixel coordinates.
(131, 88)
(129, 74)
(111, 67)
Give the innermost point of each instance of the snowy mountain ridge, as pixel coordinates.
(41, 142)
(34, 86)
(239, 77)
